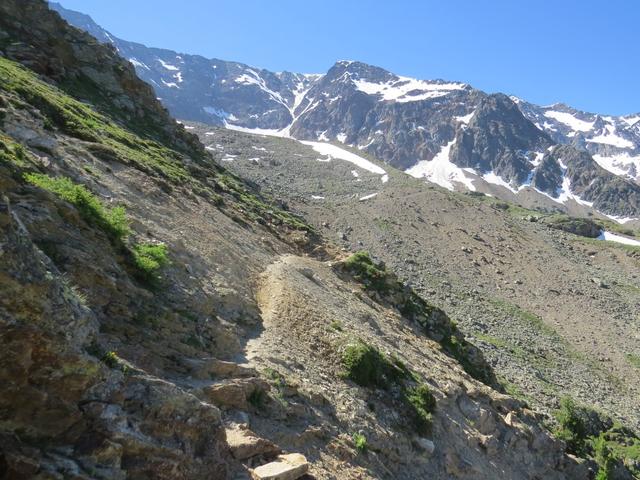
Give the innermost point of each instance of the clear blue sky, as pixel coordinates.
(584, 53)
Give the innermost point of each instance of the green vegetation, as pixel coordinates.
(423, 403)
(377, 279)
(257, 398)
(112, 360)
(81, 121)
(146, 258)
(336, 325)
(144, 150)
(368, 367)
(13, 154)
(112, 221)
(591, 434)
(633, 359)
(149, 258)
(364, 269)
(360, 442)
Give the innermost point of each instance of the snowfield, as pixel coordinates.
(441, 171)
(570, 121)
(612, 237)
(405, 89)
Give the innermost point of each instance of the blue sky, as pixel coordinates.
(583, 53)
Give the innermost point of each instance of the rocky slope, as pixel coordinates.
(446, 132)
(555, 313)
(160, 319)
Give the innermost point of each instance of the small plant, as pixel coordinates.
(367, 367)
(604, 458)
(423, 403)
(336, 325)
(148, 259)
(362, 267)
(257, 398)
(113, 221)
(360, 442)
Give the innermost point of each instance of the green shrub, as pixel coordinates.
(113, 221)
(360, 442)
(363, 268)
(422, 403)
(604, 458)
(149, 258)
(367, 367)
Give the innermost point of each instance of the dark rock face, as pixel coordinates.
(578, 226)
(589, 181)
(614, 138)
(45, 43)
(206, 90)
(499, 139)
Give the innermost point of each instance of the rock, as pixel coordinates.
(285, 467)
(244, 444)
(208, 368)
(425, 444)
(234, 393)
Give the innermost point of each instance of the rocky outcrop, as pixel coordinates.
(64, 412)
(499, 139)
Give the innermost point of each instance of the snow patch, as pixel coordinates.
(167, 65)
(405, 89)
(570, 120)
(465, 119)
(334, 152)
(612, 237)
(367, 197)
(622, 164)
(441, 171)
(610, 138)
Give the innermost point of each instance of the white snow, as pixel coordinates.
(610, 138)
(465, 119)
(256, 131)
(167, 66)
(622, 164)
(137, 63)
(253, 78)
(355, 173)
(621, 220)
(493, 178)
(570, 120)
(261, 149)
(178, 77)
(612, 237)
(170, 84)
(631, 120)
(341, 137)
(367, 197)
(441, 171)
(334, 152)
(405, 89)
(317, 197)
(385, 178)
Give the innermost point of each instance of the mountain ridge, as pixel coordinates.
(407, 123)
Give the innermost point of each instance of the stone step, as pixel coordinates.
(245, 444)
(286, 467)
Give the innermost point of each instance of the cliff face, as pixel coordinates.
(160, 319)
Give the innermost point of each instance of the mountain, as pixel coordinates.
(614, 142)
(446, 132)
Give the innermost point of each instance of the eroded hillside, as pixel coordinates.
(161, 319)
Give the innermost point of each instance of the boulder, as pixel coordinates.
(285, 467)
(245, 444)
